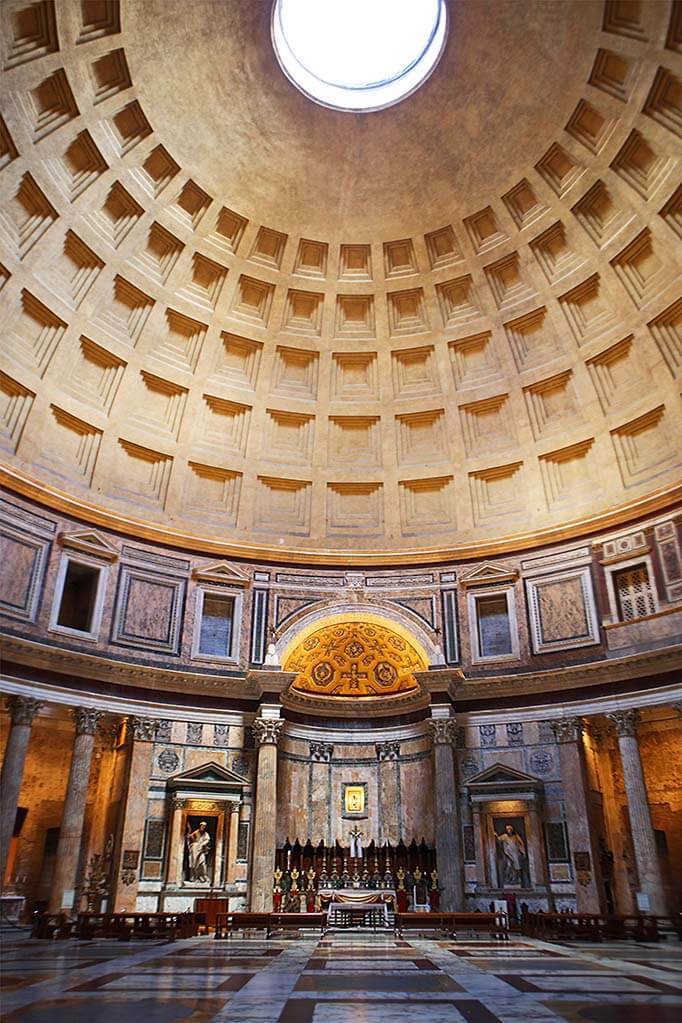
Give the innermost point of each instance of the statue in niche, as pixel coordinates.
(512, 858)
(198, 842)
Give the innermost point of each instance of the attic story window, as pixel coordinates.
(216, 625)
(358, 54)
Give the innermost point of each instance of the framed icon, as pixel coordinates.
(355, 799)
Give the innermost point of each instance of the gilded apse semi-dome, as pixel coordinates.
(237, 320)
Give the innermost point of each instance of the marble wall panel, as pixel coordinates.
(149, 610)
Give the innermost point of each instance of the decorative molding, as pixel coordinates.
(142, 729)
(87, 719)
(88, 541)
(387, 750)
(443, 731)
(23, 709)
(266, 731)
(567, 729)
(21, 483)
(321, 752)
(487, 574)
(625, 721)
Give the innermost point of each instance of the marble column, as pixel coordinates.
(479, 846)
(388, 754)
(266, 732)
(62, 896)
(584, 851)
(22, 711)
(128, 860)
(641, 828)
(448, 840)
(232, 837)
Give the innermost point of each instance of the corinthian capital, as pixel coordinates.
(625, 721)
(142, 729)
(387, 750)
(442, 731)
(86, 720)
(23, 709)
(266, 731)
(321, 752)
(567, 729)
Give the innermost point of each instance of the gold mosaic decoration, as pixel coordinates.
(354, 659)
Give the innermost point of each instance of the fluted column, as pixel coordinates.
(448, 841)
(641, 828)
(140, 736)
(233, 835)
(266, 732)
(22, 711)
(568, 733)
(73, 814)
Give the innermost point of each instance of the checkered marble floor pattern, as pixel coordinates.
(344, 978)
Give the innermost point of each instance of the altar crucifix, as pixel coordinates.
(355, 843)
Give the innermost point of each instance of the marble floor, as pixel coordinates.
(344, 978)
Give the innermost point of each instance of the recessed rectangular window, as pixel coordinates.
(494, 632)
(633, 593)
(79, 596)
(217, 622)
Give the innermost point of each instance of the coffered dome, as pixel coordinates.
(235, 319)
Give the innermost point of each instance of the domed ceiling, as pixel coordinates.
(236, 319)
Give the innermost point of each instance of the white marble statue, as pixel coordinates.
(198, 848)
(513, 850)
(271, 658)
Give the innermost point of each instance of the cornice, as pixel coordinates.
(142, 676)
(59, 501)
(569, 678)
(254, 684)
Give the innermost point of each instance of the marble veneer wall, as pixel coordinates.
(396, 766)
(562, 609)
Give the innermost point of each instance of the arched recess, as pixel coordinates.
(301, 623)
(355, 656)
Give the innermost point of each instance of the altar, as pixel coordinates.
(349, 906)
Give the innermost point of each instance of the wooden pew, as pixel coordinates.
(495, 924)
(125, 926)
(227, 923)
(296, 921)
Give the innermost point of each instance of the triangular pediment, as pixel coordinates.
(500, 775)
(88, 541)
(211, 775)
(221, 572)
(501, 772)
(489, 573)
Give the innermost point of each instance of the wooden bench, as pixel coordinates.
(125, 926)
(448, 924)
(227, 923)
(296, 921)
(597, 926)
(563, 926)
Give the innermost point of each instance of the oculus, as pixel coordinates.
(358, 54)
